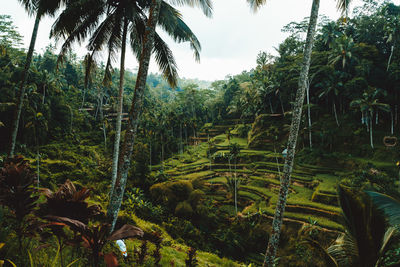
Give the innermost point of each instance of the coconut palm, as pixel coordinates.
(124, 20)
(40, 8)
(368, 105)
(294, 128)
(149, 42)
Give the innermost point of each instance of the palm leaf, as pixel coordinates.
(165, 60)
(328, 259)
(256, 4)
(126, 231)
(204, 5)
(343, 6)
(389, 205)
(365, 224)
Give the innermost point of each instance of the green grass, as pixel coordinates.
(195, 175)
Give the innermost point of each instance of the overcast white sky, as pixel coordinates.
(230, 40)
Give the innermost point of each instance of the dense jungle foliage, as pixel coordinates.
(206, 165)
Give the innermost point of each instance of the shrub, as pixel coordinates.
(180, 190)
(184, 209)
(195, 197)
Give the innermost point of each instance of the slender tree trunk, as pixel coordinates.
(105, 136)
(377, 117)
(162, 152)
(83, 97)
(150, 154)
(294, 130)
(391, 124)
(280, 99)
(309, 114)
(38, 168)
(236, 209)
(370, 131)
(137, 102)
(24, 77)
(390, 57)
(119, 111)
(270, 106)
(334, 111)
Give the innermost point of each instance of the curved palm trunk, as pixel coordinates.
(20, 100)
(294, 130)
(390, 57)
(137, 102)
(119, 111)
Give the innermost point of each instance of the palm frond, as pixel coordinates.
(90, 65)
(163, 54)
(256, 4)
(165, 60)
(108, 72)
(366, 225)
(343, 6)
(344, 250)
(204, 5)
(328, 259)
(30, 6)
(389, 205)
(170, 20)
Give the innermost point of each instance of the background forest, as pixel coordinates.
(207, 159)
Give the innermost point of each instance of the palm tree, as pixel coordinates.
(369, 104)
(41, 8)
(150, 41)
(367, 236)
(294, 128)
(124, 20)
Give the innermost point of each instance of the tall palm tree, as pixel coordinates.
(149, 42)
(368, 105)
(294, 128)
(40, 8)
(124, 20)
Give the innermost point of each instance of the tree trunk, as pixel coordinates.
(24, 77)
(334, 111)
(280, 99)
(391, 124)
(150, 154)
(236, 209)
(270, 106)
(390, 57)
(309, 114)
(137, 102)
(294, 130)
(370, 131)
(38, 168)
(119, 111)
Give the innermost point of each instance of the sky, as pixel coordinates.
(230, 40)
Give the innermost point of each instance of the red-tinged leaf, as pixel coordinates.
(75, 225)
(126, 231)
(111, 260)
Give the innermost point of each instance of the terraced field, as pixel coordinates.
(257, 173)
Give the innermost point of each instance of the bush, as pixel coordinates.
(180, 190)
(195, 197)
(184, 209)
